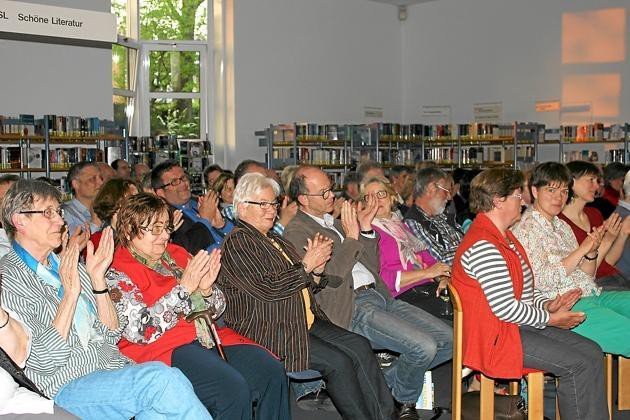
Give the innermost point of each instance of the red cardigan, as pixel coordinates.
(153, 286)
(490, 345)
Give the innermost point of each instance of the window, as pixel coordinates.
(119, 8)
(174, 19)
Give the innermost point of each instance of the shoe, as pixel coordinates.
(385, 359)
(408, 412)
(439, 411)
(316, 401)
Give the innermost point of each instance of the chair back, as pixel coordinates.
(458, 319)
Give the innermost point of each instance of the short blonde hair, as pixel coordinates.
(378, 180)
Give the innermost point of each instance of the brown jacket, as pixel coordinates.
(264, 294)
(337, 300)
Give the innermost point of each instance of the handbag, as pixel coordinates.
(17, 373)
(506, 407)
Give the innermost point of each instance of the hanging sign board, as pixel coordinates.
(373, 112)
(441, 111)
(547, 106)
(32, 19)
(488, 112)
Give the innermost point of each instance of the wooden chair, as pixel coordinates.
(623, 384)
(535, 380)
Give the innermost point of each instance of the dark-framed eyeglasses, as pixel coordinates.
(175, 182)
(49, 212)
(324, 194)
(265, 205)
(381, 194)
(156, 230)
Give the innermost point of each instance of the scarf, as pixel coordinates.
(408, 244)
(84, 314)
(167, 267)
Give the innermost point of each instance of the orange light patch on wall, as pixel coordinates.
(601, 91)
(596, 36)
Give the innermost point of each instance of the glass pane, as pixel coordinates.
(173, 19)
(175, 117)
(120, 110)
(120, 67)
(119, 8)
(174, 71)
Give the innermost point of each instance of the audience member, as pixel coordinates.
(85, 180)
(224, 187)
(623, 209)
(270, 290)
(508, 325)
(203, 226)
(6, 181)
(210, 173)
(369, 168)
(363, 303)
(286, 176)
(74, 325)
(138, 171)
(398, 177)
(426, 217)
(582, 219)
(107, 172)
(155, 284)
(122, 168)
(560, 264)
(351, 185)
(614, 174)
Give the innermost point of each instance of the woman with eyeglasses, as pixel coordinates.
(407, 267)
(560, 264)
(155, 284)
(271, 293)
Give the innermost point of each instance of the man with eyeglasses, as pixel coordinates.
(85, 180)
(426, 218)
(203, 225)
(362, 303)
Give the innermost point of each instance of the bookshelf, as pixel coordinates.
(338, 148)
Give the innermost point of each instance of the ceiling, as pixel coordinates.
(403, 2)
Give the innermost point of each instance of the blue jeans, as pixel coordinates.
(144, 391)
(422, 340)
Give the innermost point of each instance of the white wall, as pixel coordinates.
(37, 78)
(458, 53)
(312, 60)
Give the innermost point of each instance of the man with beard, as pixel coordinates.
(426, 218)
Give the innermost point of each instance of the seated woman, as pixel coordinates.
(508, 325)
(155, 285)
(561, 264)
(223, 185)
(582, 219)
(407, 268)
(270, 289)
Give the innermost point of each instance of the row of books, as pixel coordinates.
(594, 132)
(58, 125)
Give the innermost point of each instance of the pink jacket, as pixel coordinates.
(391, 265)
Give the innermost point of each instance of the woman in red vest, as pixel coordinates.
(155, 284)
(508, 325)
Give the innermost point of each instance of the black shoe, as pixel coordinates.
(385, 359)
(439, 411)
(316, 401)
(408, 412)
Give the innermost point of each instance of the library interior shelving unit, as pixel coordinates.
(338, 148)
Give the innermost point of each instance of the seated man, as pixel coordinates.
(426, 217)
(65, 305)
(362, 303)
(203, 226)
(84, 179)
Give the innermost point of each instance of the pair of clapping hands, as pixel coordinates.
(610, 230)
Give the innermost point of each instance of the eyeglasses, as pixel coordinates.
(443, 188)
(49, 212)
(324, 194)
(175, 182)
(516, 195)
(265, 205)
(156, 230)
(553, 191)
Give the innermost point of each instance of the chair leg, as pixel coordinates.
(486, 396)
(535, 386)
(623, 384)
(557, 406)
(514, 387)
(608, 378)
(456, 402)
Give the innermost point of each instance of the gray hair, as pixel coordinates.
(252, 184)
(21, 196)
(425, 177)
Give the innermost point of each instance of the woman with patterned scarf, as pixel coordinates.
(155, 284)
(407, 267)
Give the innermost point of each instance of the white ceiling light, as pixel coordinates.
(403, 2)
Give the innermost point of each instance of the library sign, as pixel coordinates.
(58, 22)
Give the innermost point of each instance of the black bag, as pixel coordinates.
(17, 373)
(506, 407)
